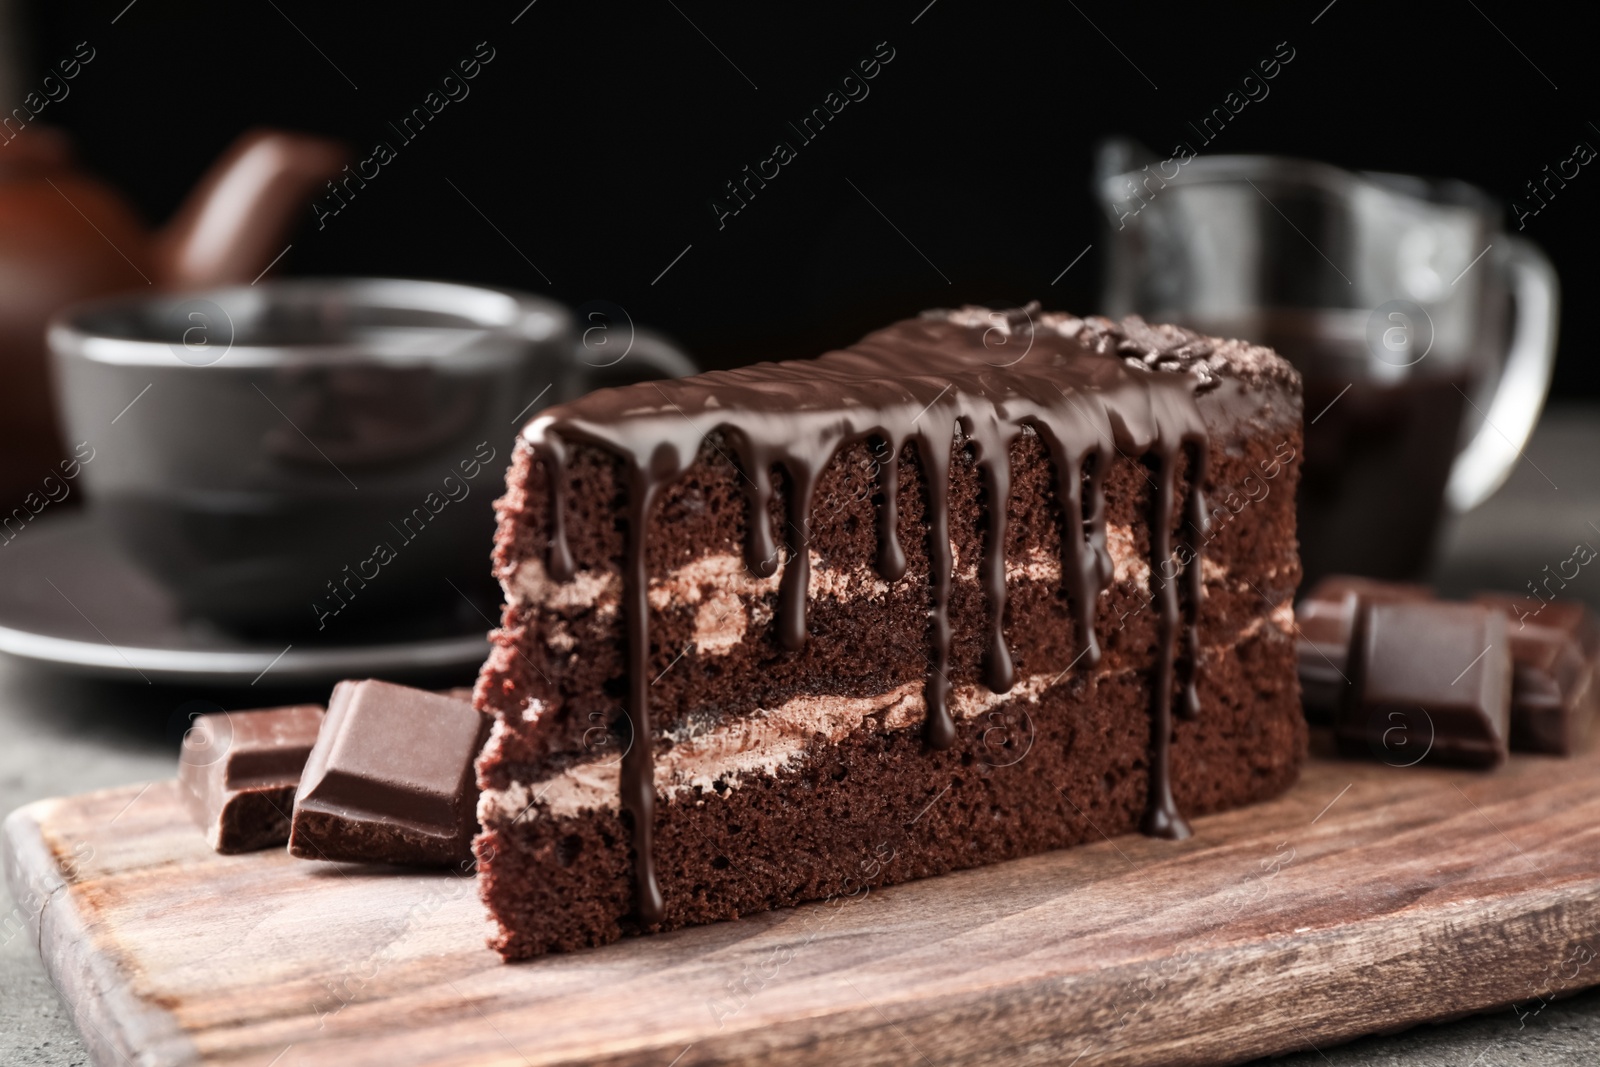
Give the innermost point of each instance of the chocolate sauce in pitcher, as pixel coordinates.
(1380, 439)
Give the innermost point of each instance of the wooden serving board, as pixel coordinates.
(1366, 899)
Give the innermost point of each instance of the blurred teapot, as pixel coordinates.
(66, 237)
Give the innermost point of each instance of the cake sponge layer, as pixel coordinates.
(874, 807)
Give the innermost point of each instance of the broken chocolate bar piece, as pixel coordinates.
(238, 771)
(1432, 680)
(1325, 620)
(1554, 649)
(1570, 618)
(1555, 653)
(390, 779)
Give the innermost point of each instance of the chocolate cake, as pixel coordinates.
(981, 585)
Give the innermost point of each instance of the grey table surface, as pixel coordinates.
(62, 735)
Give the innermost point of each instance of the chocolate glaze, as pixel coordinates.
(1088, 388)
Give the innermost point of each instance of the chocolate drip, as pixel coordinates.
(994, 461)
(891, 557)
(1095, 529)
(760, 552)
(1197, 523)
(792, 593)
(1078, 389)
(1083, 539)
(638, 763)
(939, 728)
(560, 556)
(1161, 817)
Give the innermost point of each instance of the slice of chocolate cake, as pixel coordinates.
(982, 585)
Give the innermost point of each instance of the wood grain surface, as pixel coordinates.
(1369, 898)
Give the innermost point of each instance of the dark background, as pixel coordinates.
(598, 135)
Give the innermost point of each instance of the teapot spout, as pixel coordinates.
(240, 216)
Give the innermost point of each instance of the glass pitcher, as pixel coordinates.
(1425, 334)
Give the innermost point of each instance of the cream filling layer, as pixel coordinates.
(764, 742)
(728, 600)
(768, 741)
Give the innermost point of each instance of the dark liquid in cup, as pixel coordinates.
(1376, 464)
(1377, 452)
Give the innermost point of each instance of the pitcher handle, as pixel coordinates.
(1487, 460)
(646, 351)
(649, 350)
(605, 354)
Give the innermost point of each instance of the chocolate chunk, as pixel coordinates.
(1571, 618)
(1326, 620)
(391, 778)
(1432, 680)
(1555, 652)
(1555, 646)
(239, 770)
